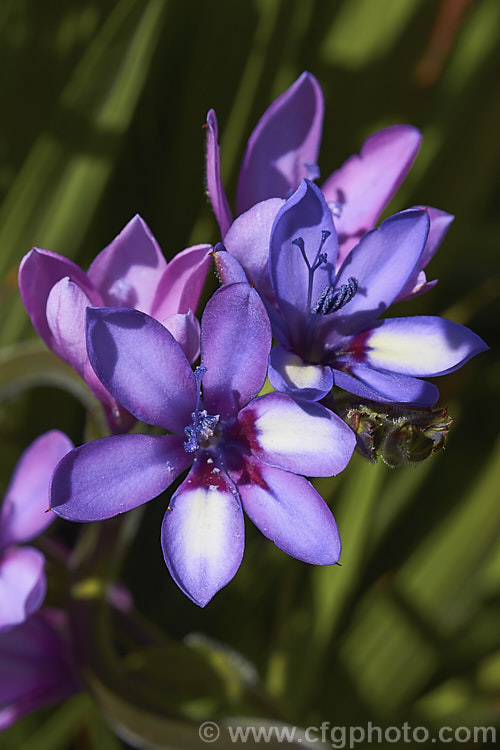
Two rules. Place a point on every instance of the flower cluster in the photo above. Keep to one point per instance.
(301, 265)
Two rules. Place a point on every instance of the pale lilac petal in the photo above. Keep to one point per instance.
(248, 241)
(235, 345)
(228, 269)
(421, 346)
(417, 284)
(182, 282)
(284, 145)
(288, 510)
(66, 317)
(66, 306)
(38, 272)
(381, 264)
(386, 387)
(22, 585)
(365, 183)
(306, 217)
(35, 668)
(115, 474)
(290, 374)
(142, 366)
(128, 270)
(299, 436)
(23, 514)
(185, 329)
(440, 222)
(203, 533)
(215, 188)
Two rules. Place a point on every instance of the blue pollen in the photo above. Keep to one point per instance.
(204, 424)
(200, 431)
(330, 301)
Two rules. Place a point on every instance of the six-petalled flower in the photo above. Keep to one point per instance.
(245, 451)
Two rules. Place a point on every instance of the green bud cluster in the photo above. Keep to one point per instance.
(395, 435)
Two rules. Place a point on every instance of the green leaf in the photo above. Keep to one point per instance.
(30, 364)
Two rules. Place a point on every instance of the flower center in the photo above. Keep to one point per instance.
(203, 425)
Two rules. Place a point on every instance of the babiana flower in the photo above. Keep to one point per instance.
(23, 516)
(130, 272)
(245, 451)
(36, 667)
(326, 321)
(283, 149)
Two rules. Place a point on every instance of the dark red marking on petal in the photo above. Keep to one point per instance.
(357, 347)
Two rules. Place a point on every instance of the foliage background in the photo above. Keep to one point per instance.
(103, 107)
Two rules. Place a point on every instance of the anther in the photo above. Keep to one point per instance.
(331, 300)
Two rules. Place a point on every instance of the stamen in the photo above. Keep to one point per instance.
(330, 301)
(203, 424)
(200, 431)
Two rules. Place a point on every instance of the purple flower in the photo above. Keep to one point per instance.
(35, 666)
(325, 321)
(23, 516)
(283, 149)
(245, 451)
(130, 272)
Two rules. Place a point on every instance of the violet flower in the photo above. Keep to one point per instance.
(35, 666)
(245, 451)
(283, 149)
(23, 516)
(130, 272)
(325, 321)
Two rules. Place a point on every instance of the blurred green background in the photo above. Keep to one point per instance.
(102, 111)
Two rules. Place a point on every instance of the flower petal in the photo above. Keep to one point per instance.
(182, 282)
(440, 222)
(228, 269)
(66, 315)
(381, 263)
(38, 272)
(115, 474)
(248, 241)
(385, 387)
(185, 329)
(128, 270)
(289, 373)
(22, 585)
(23, 514)
(284, 145)
(288, 510)
(365, 183)
(305, 217)
(299, 436)
(235, 345)
(34, 668)
(142, 366)
(66, 306)
(203, 533)
(421, 346)
(215, 188)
